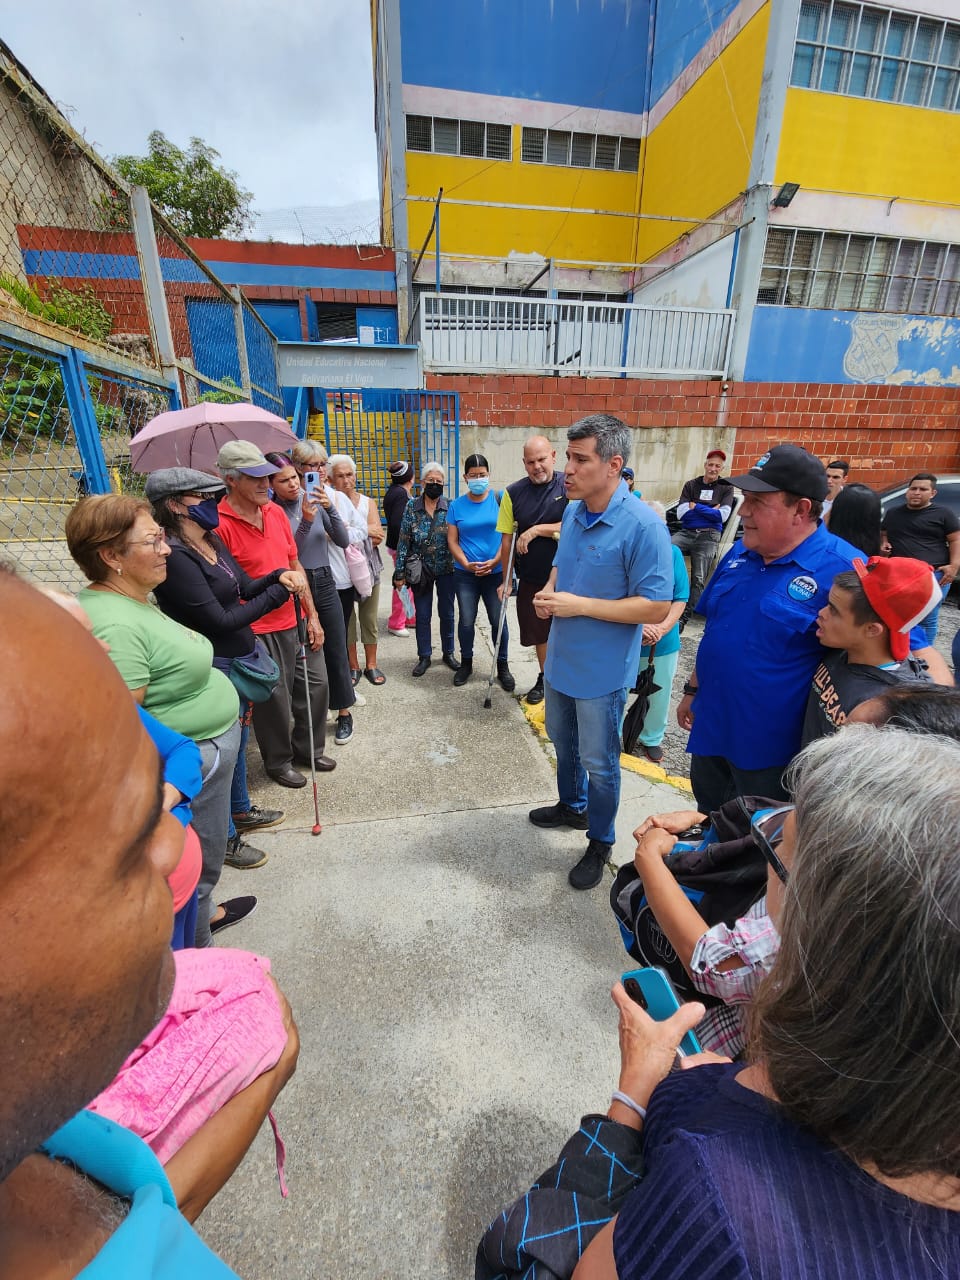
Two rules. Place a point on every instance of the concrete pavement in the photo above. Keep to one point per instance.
(450, 988)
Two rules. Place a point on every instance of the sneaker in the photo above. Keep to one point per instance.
(235, 909)
(256, 818)
(558, 815)
(464, 672)
(588, 872)
(536, 693)
(360, 700)
(344, 731)
(505, 676)
(243, 856)
(652, 753)
(398, 631)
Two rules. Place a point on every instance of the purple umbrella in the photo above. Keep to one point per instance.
(193, 437)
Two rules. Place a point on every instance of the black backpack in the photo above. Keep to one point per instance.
(723, 877)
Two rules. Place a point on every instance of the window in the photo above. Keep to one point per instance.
(579, 150)
(834, 270)
(459, 137)
(868, 52)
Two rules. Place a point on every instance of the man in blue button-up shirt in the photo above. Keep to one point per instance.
(613, 572)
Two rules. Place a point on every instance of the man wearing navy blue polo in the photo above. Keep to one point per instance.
(613, 572)
(744, 702)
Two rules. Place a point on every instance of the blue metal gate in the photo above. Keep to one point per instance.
(376, 427)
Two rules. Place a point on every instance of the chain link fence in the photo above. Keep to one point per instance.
(107, 318)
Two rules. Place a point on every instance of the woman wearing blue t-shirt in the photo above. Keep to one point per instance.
(475, 546)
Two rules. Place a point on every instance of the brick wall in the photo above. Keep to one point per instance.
(887, 432)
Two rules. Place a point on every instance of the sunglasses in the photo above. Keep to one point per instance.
(766, 827)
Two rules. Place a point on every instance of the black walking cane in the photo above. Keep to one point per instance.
(302, 645)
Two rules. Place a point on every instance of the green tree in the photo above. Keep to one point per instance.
(195, 193)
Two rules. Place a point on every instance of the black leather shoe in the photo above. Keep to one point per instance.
(463, 674)
(505, 676)
(450, 661)
(588, 872)
(536, 693)
(288, 777)
(322, 764)
(558, 815)
(421, 668)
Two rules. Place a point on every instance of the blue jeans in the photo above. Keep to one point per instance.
(585, 733)
(423, 604)
(931, 622)
(470, 591)
(239, 795)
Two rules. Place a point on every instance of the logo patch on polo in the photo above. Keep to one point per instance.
(802, 588)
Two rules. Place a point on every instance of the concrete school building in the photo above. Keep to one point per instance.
(795, 161)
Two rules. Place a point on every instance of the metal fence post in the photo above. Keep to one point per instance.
(241, 342)
(141, 214)
(84, 420)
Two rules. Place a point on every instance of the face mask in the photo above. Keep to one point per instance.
(480, 485)
(432, 490)
(205, 513)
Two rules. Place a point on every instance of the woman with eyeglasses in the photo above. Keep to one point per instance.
(168, 667)
(834, 1151)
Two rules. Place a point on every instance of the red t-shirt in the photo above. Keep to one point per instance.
(261, 552)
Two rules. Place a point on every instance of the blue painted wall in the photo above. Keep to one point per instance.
(213, 337)
(587, 52)
(683, 27)
(383, 322)
(797, 344)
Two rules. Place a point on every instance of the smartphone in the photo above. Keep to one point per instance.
(653, 991)
(311, 482)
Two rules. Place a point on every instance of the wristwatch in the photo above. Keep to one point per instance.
(690, 690)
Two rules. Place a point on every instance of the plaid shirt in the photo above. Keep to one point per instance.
(755, 941)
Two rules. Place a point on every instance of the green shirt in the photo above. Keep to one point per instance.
(184, 691)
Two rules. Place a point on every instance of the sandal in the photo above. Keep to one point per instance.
(355, 674)
(375, 675)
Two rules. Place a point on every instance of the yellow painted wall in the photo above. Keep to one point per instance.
(831, 142)
(496, 232)
(698, 157)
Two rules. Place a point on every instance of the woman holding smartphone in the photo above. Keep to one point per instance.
(316, 525)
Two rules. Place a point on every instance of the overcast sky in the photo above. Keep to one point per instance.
(281, 88)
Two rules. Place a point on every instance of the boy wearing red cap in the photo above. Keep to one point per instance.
(866, 622)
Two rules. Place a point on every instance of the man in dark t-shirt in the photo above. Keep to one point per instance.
(925, 530)
(705, 505)
(865, 628)
(535, 505)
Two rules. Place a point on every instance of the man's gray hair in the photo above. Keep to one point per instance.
(229, 475)
(657, 507)
(858, 1023)
(612, 435)
(340, 460)
(432, 465)
(307, 451)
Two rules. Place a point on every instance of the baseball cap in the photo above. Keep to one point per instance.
(786, 468)
(173, 480)
(241, 455)
(901, 592)
(717, 453)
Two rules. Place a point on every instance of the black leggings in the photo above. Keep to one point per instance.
(330, 612)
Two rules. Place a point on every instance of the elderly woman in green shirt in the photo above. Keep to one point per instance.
(168, 668)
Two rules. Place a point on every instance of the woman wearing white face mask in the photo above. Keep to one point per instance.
(475, 546)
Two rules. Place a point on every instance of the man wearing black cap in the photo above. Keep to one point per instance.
(744, 703)
(705, 505)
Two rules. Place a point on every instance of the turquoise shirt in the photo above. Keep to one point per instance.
(625, 552)
(154, 1241)
(476, 525)
(681, 591)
